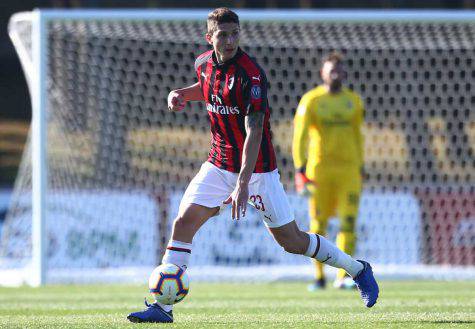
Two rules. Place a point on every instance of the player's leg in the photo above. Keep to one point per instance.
(315, 246)
(190, 218)
(201, 201)
(320, 206)
(348, 201)
(295, 241)
(276, 213)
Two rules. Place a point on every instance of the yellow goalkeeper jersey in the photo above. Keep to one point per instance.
(327, 130)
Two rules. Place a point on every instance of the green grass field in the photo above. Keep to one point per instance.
(274, 305)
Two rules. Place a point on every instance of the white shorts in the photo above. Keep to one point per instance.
(212, 185)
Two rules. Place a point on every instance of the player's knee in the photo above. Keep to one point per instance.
(286, 246)
(348, 224)
(290, 248)
(294, 243)
(182, 224)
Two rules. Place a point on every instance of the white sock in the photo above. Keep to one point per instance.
(177, 253)
(326, 252)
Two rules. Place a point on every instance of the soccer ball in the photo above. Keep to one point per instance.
(168, 284)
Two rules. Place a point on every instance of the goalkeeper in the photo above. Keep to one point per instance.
(328, 159)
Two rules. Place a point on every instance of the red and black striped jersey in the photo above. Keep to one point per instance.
(232, 90)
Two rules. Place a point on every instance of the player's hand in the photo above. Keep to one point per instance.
(303, 185)
(238, 200)
(176, 101)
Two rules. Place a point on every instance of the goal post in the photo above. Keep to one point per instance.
(32, 55)
(106, 163)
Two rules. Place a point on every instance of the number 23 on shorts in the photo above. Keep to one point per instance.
(256, 201)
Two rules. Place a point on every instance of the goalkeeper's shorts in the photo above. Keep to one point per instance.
(212, 185)
(338, 190)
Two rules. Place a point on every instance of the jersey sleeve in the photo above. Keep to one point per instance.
(198, 62)
(255, 93)
(302, 122)
(358, 125)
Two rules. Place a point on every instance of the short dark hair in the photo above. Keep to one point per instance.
(221, 15)
(334, 57)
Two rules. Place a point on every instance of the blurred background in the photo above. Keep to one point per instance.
(15, 111)
(116, 153)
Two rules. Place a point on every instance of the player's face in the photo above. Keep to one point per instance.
(333, 75)
(225, 40)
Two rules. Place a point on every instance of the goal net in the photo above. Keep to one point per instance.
(106, 163)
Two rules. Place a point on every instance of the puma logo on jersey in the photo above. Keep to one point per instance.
(258, 78)
(268, 217)
(203, 75)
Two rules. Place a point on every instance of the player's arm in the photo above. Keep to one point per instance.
(255, 94)
(253, 123)
(177, 98)
(300, 143)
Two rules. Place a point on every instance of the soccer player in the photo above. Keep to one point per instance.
(328, 159)
(241, 165)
